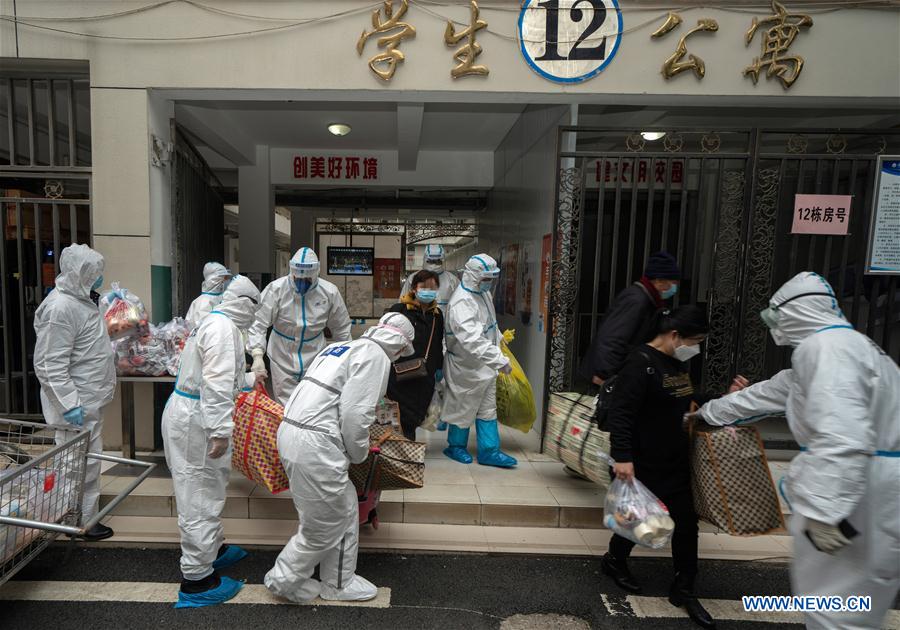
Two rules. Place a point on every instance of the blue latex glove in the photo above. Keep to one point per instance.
(75, 416)
(439, 375)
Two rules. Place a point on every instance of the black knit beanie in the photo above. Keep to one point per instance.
(662, 265)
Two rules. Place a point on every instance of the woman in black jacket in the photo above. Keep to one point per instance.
(653, 392)
(414, 394)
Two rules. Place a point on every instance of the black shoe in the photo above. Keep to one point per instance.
(618, 571)
(682, 596)
(208, 583)
(98, 532)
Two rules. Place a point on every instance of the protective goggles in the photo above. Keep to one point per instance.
(304, 270)
(435, 260)
(771, 316)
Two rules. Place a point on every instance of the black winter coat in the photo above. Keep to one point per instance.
(414, 395)
(627, 324)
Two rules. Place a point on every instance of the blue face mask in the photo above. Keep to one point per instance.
(670, 292)
(302, 285)
(486, 286)
(98, 283)
(426, 296)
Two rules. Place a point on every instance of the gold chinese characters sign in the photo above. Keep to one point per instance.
(783, 28)
(393, 31)
(778, 32)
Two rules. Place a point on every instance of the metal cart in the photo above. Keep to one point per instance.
(42, 471)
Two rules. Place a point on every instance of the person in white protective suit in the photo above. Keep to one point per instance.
(325, 429)
(298, 308)
(196, 427)
(447, 282)
(471, 364)
(74, 363)
(842, 401)
(215, 278)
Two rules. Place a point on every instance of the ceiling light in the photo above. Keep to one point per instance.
(650, 136)
(339, 129)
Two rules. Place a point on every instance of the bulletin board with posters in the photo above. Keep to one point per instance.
(510, 278)
(388, 278)
(884, 232)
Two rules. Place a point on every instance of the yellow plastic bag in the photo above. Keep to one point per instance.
(515, 398)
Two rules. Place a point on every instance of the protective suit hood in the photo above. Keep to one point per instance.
(479, 267)
(395, 334)
(79, 268)
(214, 276)
(434, 258)
(305, 264)
(236, 305)
(804, 316)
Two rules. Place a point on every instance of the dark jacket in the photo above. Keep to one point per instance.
(653, 392)
(628, 323)
(414, 395)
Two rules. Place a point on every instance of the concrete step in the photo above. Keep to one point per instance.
(149, 531)
(535, 494)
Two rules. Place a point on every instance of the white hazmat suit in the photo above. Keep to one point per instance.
(73, 357)
(447, 282)
(842, 401)
(471, 364)
(325, 429)
(298, 321)
(200, 411)
(215, 277)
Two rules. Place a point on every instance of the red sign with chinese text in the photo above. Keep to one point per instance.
(335, 167)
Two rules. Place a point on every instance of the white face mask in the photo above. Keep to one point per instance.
(779, 337)
(686, 353)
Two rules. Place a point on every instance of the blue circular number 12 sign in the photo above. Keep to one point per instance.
(569, 41)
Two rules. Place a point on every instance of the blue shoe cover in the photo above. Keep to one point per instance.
(489, 453)
(456, 444)
(232, 555)
(441, 426)
(459, 454)
(227, 589)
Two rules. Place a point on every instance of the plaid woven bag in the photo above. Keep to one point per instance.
(732, 484)
(400, 464)
(255, 436)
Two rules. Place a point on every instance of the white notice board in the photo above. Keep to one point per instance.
(884, 229)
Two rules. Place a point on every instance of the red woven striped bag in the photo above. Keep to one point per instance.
(255, 437)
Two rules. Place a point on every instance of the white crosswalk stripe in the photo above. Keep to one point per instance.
(151, 592)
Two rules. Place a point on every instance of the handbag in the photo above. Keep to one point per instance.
(415, 368)
(399, 463)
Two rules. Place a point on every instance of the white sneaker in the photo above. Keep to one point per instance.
(359, 589)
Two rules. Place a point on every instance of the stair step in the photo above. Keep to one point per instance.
(267, 533)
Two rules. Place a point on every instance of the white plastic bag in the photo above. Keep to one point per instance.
(635, 513)
(435, 409)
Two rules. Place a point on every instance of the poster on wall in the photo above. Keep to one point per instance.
(510, 278)
(545, 281)
(387, 278)
(884, 231)
(526, 282)
(499, 286)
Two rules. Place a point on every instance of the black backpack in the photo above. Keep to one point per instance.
(605, 397)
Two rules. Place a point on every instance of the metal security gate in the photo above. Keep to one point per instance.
(722, 202)
(45, 182)
(198, 222)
